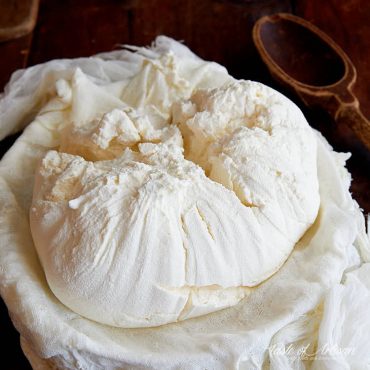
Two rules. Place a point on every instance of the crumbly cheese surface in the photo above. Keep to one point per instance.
(171, 198)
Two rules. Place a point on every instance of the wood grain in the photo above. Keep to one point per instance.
(71, 29)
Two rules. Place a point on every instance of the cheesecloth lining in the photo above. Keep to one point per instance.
(313, 313)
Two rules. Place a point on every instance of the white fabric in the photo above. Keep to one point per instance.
(307, 302)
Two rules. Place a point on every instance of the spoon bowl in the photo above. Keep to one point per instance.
(306, 60)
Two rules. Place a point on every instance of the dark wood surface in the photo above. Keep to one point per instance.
(218, 30)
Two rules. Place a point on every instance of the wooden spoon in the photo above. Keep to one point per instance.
(17, 18)
(307, 61)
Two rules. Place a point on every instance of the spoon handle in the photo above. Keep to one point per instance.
(351, 115)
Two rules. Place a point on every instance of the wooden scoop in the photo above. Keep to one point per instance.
(309, 62)
(17, 18)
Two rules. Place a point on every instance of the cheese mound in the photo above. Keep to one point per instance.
(157, 210)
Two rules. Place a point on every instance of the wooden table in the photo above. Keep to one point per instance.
(218, 30)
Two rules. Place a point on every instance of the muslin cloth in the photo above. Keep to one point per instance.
(313, 313)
